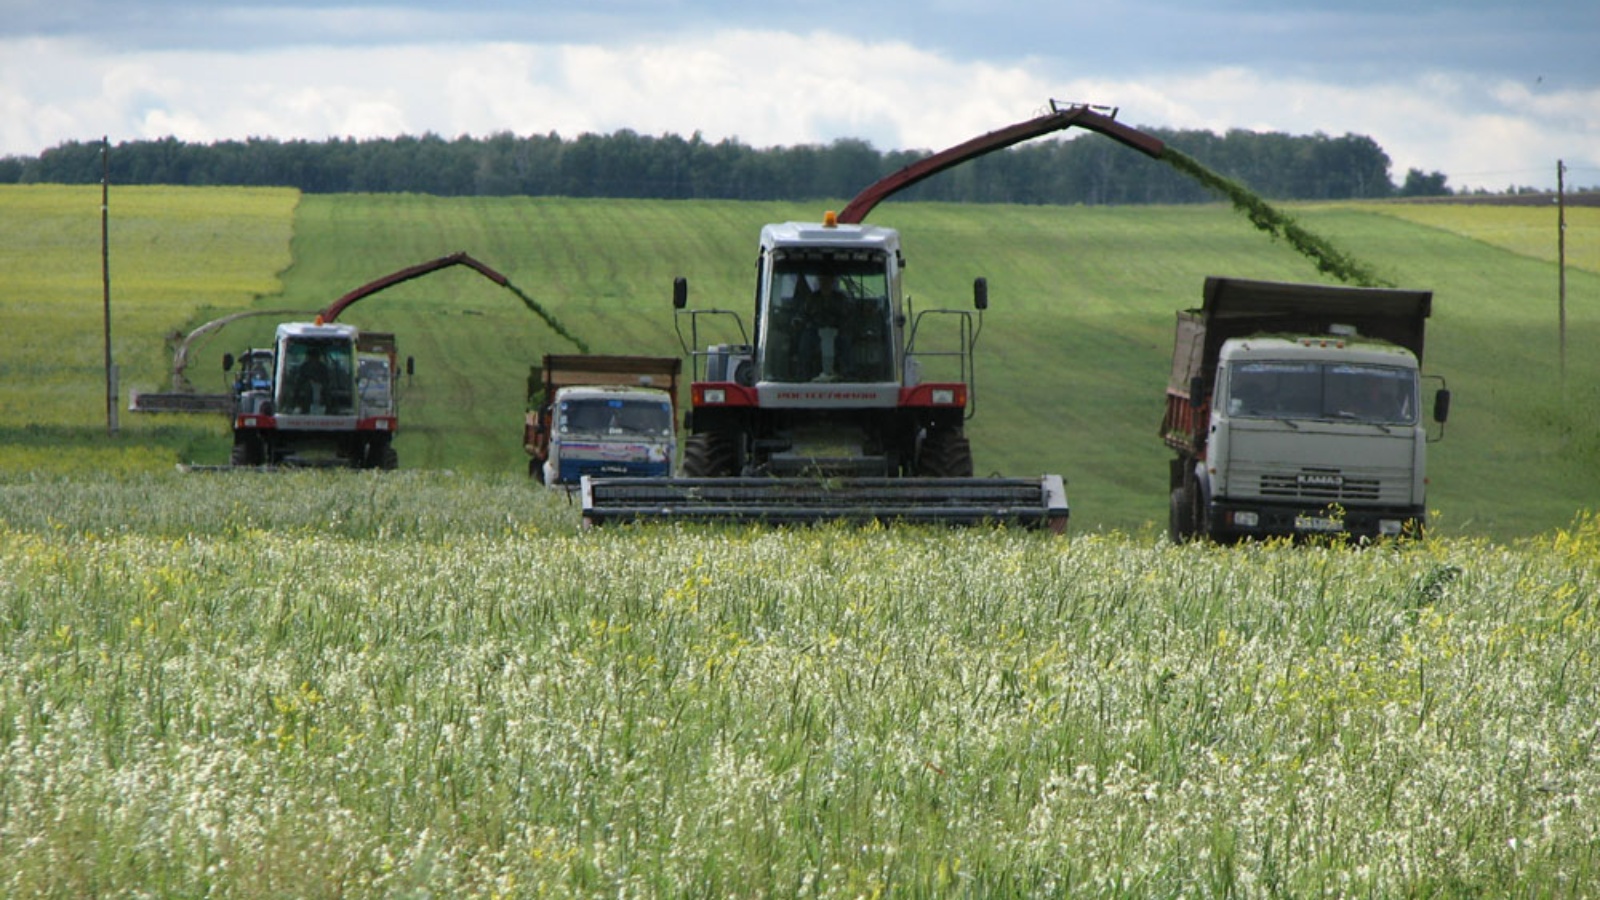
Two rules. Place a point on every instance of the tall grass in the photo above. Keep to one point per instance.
(348, 685)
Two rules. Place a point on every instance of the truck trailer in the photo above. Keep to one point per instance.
(1293, 410)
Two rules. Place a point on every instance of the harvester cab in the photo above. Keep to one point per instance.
(833, 384)
(318, 375)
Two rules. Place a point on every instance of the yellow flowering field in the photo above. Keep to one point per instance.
(174, 258)
(333, 684)
(1532, 231)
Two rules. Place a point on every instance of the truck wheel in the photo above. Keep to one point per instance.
(945, 454)
(1181, 526)
(390, 460)
(710, 455)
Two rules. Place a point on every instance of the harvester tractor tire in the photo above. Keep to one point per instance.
(710, 455)
(247, 451)
(945, 454)
(378, 453)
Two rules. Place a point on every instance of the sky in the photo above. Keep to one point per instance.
(1492, 93)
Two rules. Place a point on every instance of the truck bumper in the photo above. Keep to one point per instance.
(1231, 520)
(573, 471)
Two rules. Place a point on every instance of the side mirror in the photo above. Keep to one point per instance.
(680, 292)
(1441, 405)
(980, 293)
(227, 362)
(1197, 390)
(411, 365)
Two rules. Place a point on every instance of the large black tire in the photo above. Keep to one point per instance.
(247, 451)
(710, 455)
(1181, 524)
(945, 454)
(377, 453)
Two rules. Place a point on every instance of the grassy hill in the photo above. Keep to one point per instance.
(1073, 354)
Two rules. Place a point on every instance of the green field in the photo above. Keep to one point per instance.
(432, 682)
(1073, 354)
(412, 684)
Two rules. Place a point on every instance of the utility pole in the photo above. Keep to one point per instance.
(1561, 265)
(105, 280)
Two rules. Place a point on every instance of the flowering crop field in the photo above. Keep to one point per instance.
(334, 684)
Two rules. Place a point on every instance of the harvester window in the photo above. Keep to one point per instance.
(319, 379)
(829, 321)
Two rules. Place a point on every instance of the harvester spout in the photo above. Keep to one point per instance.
(461, 258)
(1061, 116)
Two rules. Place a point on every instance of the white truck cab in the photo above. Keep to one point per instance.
(603, 430)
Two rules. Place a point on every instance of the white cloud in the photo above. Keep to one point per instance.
(762, 87)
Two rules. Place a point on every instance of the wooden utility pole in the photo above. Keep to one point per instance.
(105, 280)
(1561, 265)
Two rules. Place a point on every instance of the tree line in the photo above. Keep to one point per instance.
(1085, 170)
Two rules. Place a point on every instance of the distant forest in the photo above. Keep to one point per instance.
(1087, 170)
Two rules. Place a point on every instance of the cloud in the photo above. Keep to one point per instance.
(762, 87)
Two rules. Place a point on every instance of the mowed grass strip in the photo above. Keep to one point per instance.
(345, 684)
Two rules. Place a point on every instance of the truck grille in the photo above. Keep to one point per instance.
(1321, 486)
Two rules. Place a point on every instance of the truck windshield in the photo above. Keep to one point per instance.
(828, 320)
(1385, 395)
(616, 416)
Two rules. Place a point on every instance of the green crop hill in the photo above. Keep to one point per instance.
(1073, 354)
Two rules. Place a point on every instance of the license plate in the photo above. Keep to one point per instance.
(1317, 523)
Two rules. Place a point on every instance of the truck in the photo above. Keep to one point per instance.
(322, 395)
(837, 403)
(601, 415)
(1293, 410)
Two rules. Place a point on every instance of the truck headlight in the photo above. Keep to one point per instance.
(716, 395)
(1390, 527)
(944, 396)
(1246, 519)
